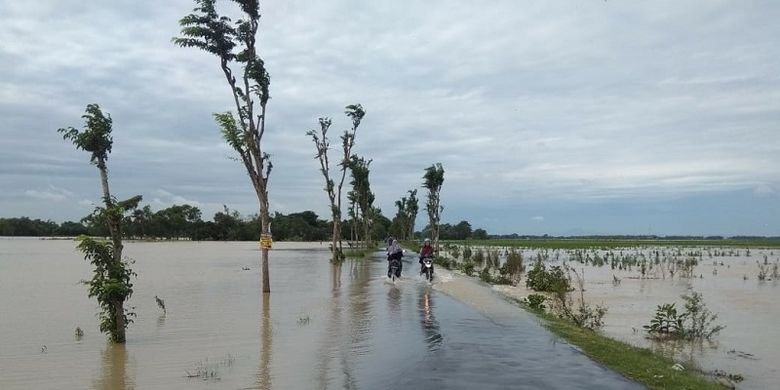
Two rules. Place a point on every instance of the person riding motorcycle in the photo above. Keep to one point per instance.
(426, 252)
(395, 252)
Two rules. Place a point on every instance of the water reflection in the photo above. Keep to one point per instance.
(394, 301)
(114, 370)
(334, 324)
(161, 320)
(264, 377)
(429, 323)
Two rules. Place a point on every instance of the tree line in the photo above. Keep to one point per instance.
(185, 222)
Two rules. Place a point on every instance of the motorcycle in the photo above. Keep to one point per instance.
(394, 269)
(427, 268)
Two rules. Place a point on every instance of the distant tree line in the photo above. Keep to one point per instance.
(185, 222)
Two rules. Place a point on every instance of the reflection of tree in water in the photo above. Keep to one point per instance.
(682, 350)
(114, 375)
(346, 341)
(429, 323)
(394, 301)
(333, 328)
(264, 376)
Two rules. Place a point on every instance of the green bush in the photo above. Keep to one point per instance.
(696, 323)
(467, 268)
(540, 279)
(536, 301)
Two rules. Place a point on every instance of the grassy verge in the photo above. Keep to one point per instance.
(640, 364)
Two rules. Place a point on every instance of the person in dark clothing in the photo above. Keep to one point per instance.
(425, 251)
(395, 252)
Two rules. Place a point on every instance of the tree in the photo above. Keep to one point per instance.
(364, 198)
(412, 208)
(432, 181)
(110, 282)
(322, 144)
(207, 30)
(406, 215)
(479, 234)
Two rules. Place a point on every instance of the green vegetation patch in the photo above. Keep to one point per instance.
(639, 364)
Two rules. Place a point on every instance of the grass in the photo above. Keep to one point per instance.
(582, 243)
(640, 364)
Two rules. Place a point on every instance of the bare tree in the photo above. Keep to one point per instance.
(322, 144)
(234, 43)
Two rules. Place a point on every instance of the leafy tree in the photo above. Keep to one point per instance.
(364, 198)
(322, 144)
(406, 215)
(111, 281)
(479, 234)
(433, 179)
(234, 43)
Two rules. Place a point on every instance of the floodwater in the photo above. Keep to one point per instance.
(750, 343)
(322, 327)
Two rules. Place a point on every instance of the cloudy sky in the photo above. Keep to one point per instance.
(559, 117)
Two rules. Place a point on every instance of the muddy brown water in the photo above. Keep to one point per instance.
(321, 327)
(750, 343)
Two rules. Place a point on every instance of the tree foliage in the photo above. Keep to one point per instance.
(234, 43)
(110, 283)
(433, 179)
(321, 145)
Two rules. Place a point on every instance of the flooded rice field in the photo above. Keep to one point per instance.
(322, 326)
(727, 278)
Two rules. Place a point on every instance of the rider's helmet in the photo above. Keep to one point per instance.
(427, 241)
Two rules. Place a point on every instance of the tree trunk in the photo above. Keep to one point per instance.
(119, 316)
(114, 228)
(266, 229)
(336, 234)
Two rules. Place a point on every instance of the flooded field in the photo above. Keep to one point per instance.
(728, 280)
(321, 327)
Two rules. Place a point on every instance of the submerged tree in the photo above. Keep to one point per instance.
(364, 198)
(322, 144)
(406, 215)
(432, 181)
(412, 208)
(234, 43)
(110, 283)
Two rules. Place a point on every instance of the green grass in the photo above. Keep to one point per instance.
(581, 243)
(640, 364)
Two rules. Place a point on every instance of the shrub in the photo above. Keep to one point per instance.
(696, 323)
(467, 253)
(513, 266)
(536, 301)
(443, 261)
(467, 268)
(554, 280)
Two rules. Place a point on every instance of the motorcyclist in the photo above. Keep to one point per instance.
(425, 252)
(395, 252)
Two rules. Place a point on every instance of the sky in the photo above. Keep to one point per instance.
(549, 117)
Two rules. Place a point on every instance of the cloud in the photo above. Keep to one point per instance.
(535, 103)
(537, 218)
(51, 194)
(764, 189)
